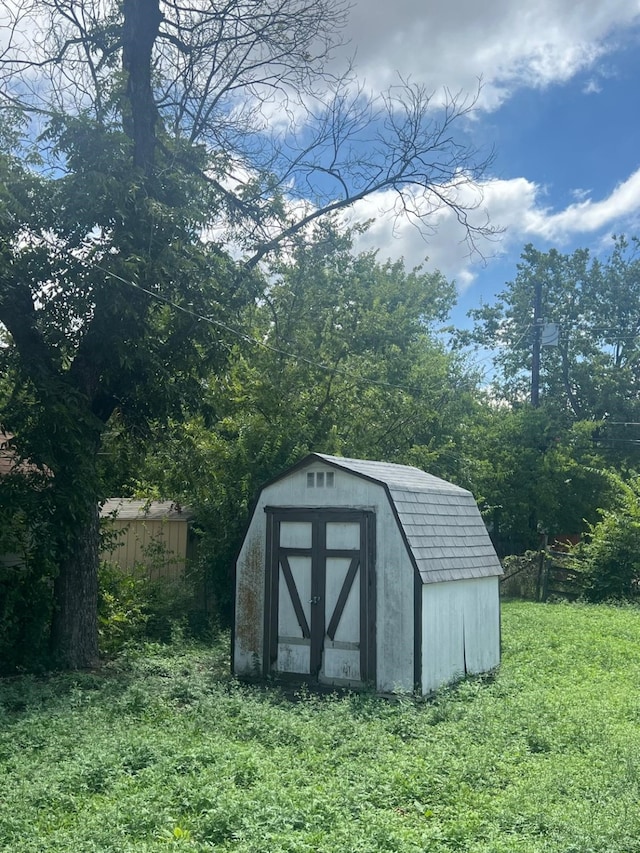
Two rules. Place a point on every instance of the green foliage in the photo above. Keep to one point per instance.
(25, 613)
(123, 606)
(611, 554)
(348, 362)
(134, 608)
(538, 469)
(533, 472)
(27, 569)
(594, 369)
(84, 298)
(167, 750)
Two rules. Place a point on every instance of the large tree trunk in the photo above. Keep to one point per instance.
(76, 532)
(142, 20)
(74, 630)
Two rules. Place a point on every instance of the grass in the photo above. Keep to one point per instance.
(165, 751)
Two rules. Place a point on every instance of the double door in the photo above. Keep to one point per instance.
(320, 594)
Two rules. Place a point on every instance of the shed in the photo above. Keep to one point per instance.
(354, 572)
(155, 534)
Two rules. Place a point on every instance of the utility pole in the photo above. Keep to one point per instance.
(537, 333)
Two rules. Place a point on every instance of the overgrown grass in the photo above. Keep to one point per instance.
(166, 751)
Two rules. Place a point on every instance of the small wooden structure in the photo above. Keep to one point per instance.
(355, 572)
(155, 534)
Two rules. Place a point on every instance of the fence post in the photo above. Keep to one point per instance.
(541, 583)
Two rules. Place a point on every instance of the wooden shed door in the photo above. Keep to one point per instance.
(320, 594)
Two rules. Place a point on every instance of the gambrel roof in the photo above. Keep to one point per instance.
(445, 535)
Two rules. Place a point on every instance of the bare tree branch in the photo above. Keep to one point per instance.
(249, 83)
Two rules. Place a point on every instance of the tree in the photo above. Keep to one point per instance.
(85, 343)
(610, 556)
(156, 136)
(533, 474)
(541, 465)
(343, 358)
(249, 84)
(595, 369)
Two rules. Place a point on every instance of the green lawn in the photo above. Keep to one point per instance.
(166, 751)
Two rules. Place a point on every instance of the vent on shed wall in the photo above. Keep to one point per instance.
(320, 480)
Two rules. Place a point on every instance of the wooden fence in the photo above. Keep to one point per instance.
(541, 575)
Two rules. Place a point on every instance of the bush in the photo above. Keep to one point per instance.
(611, 555)
(26, 587)
(132, 608)
(25, 613)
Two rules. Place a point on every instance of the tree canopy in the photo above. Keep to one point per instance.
(546, 467)
(155, 153)
(594, 371)
(247, 96)
(341, 356)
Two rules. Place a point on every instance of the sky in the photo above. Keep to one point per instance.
(560, 106)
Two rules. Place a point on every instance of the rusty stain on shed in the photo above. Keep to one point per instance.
(250, 597)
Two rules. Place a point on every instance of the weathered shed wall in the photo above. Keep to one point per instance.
(460, 630)
(394, 572)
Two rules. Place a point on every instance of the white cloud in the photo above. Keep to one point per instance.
(510, 46)
(593, 87)
(587, 216)
(518, 206)
(507, 44)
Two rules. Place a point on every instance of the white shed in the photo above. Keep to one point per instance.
(355, 572)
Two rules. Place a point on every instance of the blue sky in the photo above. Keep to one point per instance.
(560, 105)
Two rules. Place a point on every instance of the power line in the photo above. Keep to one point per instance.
(236, 332)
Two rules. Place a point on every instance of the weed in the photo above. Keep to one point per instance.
(164, 749)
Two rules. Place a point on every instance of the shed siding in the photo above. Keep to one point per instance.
(394, 572)
(395, 604)
(137, 542)
(482, 626)
(460, 630)
(250, 602)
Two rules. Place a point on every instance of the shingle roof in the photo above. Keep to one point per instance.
(442, 525)
(128, 509)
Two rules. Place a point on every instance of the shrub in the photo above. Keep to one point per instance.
(611, 555)
(26, 583)
(133, 608)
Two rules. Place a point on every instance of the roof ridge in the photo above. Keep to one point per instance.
(423, 481)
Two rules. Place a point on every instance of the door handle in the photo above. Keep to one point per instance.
(315, 600)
